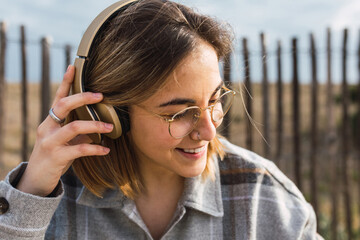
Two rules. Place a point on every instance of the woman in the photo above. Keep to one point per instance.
(156, 63)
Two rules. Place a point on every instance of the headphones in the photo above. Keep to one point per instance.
(99, 112)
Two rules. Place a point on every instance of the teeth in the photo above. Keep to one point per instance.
(194, 150)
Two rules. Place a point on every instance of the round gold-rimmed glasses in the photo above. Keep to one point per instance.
(184, 121)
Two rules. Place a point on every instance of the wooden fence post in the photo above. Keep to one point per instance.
(24, 96)
(67, 56)
(331, 142)
(358, 112)
(296, 116)
(345, 139)
(248, 101)
(45, 78)
(227, 80)
(3, 40)
(279, 108)
(314, 127)
(265, 97)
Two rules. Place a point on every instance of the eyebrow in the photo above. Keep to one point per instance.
(182, 101)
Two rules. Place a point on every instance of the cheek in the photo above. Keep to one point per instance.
(151, 134)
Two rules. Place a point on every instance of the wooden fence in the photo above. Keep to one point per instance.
(340, 152)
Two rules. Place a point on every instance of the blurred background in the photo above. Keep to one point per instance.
(65, 21)
(296, 63)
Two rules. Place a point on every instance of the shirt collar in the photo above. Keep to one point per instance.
(201, 195)
(204, 195)
(111, 199)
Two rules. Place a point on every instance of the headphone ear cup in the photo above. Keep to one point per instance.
(84, 112)
(107, 113)
(96, 112)
(123, 115)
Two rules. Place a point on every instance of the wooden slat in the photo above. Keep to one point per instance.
(247, 92)
(227, 79)
(3, 39)
(24, 97)
(314, 128)
(279, 105)
(45, 78)
(296, 116)
(265, 98)
(345, 140)
(331, 143)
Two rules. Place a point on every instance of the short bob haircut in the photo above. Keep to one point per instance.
(132, 58)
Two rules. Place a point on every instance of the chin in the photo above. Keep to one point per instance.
(195, 170)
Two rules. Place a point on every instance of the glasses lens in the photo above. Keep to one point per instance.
(222, 106)
(184, 122)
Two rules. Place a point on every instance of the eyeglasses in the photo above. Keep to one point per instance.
(184, 121)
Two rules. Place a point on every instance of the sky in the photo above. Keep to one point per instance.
(64, 22)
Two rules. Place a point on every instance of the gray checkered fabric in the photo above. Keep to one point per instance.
(249, 199)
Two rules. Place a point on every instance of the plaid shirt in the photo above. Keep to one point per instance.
(249, 199)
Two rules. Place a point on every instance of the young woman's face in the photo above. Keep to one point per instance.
(193, 83)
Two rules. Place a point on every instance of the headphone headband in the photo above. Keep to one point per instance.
(96, 24)
(99, 111)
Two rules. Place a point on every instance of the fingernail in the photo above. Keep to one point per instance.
(68, 68)
(108, 126)
(97, 95)
(106, 150)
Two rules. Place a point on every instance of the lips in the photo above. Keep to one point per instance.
(192, 150)
(193, 153)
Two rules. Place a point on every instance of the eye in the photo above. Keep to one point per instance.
(215, 97)
(180, 115)
(190, 114)
(212, 101)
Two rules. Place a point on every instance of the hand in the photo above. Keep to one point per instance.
(57, 146)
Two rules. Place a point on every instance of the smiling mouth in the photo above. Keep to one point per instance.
(192, 150)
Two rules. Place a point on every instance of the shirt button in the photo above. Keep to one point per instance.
(4, 205)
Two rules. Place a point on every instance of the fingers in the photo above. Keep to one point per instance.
(70, 131)
(85, 149)
(63, 103)
(66, 104)
(65, 85)
(57, 146)
(80, 139)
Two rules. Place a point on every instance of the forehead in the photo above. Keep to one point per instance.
(196, 77)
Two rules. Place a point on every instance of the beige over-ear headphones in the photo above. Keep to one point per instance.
(98, 112)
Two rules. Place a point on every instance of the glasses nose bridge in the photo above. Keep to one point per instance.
(206, 108)
(210, 107)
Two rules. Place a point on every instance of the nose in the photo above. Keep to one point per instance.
(205, 127)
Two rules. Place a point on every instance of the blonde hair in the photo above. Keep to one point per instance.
(133, 56)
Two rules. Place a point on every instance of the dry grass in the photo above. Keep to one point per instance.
(13, 130)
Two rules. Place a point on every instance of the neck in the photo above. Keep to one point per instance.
(157, 204)
(161, 183)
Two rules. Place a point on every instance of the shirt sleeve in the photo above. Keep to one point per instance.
(23, 215)
(310, 229)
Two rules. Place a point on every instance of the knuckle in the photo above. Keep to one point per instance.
(89, 95)
(99, 150)
(83, 149)
(67, 79)
(62, 103)
(99, 125)
(90, 150)
(86, 96)
(75, 126)
(45, 145)
(40, 131)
